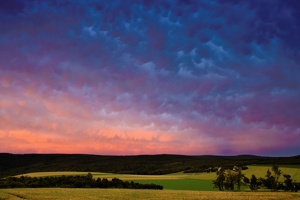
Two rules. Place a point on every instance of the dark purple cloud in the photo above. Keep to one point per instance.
(201, 77)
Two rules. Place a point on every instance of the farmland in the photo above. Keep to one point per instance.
(176, 183)
(176, 186)
(124, 194)
(181, 181)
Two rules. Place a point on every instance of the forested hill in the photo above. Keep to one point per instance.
(13, 164)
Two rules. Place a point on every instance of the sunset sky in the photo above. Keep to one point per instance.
(131, 77)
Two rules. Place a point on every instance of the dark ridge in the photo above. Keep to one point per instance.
(14, 164)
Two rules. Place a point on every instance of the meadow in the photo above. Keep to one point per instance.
(182, 181)
(188, 186)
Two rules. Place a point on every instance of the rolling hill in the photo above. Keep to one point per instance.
(13, 164)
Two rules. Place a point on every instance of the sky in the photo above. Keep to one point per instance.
(131, 77)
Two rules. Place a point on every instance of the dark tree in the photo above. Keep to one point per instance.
(268, 182)
(277, 173)
(219, 182)
(230, 180)
(288, 183)
(253, 182)
(238, 177)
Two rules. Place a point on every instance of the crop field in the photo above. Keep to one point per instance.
(187, 186)
(181, 181)
(125, 194)
(176, 181)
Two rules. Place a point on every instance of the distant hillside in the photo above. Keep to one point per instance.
(13, 164)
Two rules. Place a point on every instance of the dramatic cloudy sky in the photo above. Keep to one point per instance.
(150, 77)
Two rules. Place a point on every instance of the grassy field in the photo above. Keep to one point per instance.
(176, 186)
(176, 181)
(123, 194)
(181, 181)
(260, 171)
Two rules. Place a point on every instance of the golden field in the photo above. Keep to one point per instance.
(125, 194)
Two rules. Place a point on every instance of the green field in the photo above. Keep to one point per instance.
(176, 181)
(181, 181)
(182, 184)
(176, 186)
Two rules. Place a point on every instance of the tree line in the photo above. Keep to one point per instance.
(72, 182)
(14, 164)
(227, 179)
(208, 169)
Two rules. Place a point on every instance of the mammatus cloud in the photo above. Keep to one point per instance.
(140, 77)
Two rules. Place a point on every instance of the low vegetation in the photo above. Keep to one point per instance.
(228, 179)
(186, 181)
(72, 182)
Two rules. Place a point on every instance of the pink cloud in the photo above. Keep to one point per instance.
(150, 79)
